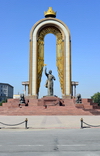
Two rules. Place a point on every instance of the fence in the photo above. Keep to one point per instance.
(82, 122)
(26, 121)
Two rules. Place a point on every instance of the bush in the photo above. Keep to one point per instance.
(96, 98)
(3, 101)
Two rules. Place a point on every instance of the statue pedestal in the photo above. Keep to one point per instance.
(48, 100)
(66, 97)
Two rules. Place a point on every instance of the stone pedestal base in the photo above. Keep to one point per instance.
(48, 100)
(50, 105)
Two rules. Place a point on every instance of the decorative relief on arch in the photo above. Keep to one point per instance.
(59, 54)
(60, 63)
(40, 61)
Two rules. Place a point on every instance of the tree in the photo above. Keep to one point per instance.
(96, 98)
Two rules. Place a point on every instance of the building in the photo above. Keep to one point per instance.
(16, 96)
(6, 91)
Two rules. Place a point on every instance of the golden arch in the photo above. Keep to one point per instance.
(63, 59)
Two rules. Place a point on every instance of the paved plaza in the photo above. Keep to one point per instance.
(49, 122)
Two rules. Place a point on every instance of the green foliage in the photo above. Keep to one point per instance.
(3, 101)
(96, 98)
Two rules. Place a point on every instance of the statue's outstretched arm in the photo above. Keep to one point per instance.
(46, 71)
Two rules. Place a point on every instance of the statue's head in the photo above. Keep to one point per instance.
(21, 95)
(50, 71)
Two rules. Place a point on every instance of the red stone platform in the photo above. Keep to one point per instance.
(37, 107)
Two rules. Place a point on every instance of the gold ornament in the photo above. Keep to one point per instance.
(50, 13)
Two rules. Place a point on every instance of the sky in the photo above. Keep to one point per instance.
(82, 17)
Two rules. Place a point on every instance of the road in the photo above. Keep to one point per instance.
(50, 142)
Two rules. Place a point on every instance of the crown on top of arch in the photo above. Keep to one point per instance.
(50, 12)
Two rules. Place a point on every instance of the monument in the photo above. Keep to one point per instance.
(50, 24)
